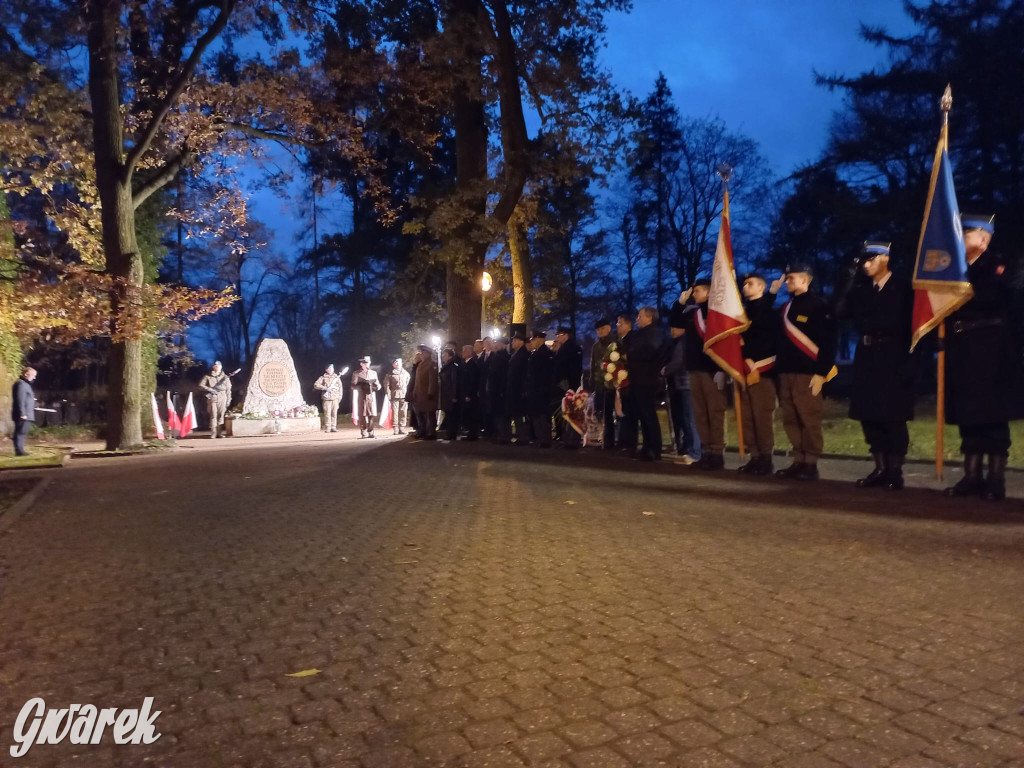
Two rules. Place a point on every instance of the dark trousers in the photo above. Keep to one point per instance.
(647, 413)
(608, 414)
(20, 431)
(887, 436)
(759, 417)
(684, 428)
(993, 439)
(541, 425)
(501, 428)
(451, 422)
(426, 423)
(627, 424)
(470, 418)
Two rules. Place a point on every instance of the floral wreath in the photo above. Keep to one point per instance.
(614, 365)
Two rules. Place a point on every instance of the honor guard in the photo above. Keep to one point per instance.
(329, 386)
(879, 305)
(540, 381)
(365, 385)
(759, 396)
(984, 383)
(709, 402)
(217, 386)
(804, 360)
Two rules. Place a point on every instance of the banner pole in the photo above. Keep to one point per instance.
(739, 416)
(940, 402)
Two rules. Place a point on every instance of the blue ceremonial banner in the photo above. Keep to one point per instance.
(941, 284)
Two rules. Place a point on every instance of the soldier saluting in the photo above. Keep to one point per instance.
(984, 382)
(880, 304)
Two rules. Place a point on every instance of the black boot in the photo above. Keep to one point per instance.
(995, 484)
(894, 477)
(878, 475)
(791, 472)
(971, 484)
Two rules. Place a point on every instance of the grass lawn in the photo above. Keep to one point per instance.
(38, 456)
(844, 436)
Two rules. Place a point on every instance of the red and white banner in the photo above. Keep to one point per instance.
(727, 318)
(173, 422)
(188, 420)
(158, 423)
(385, 413)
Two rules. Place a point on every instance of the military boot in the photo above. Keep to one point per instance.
(791, 472)
(878, 475)
(971, 484)
(894, 476)
(995, 484)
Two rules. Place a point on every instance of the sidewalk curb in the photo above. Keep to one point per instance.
(22, 505)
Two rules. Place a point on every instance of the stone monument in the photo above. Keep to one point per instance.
(272, 396)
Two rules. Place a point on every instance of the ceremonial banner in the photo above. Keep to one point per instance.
(940, 272)
(727, 318)
(188, 420)
(157, 421)
(173, 422)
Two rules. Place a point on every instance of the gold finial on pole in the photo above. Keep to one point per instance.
(946, 103)
(724, 172)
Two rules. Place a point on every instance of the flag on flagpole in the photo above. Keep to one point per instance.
(157, 421)
(727, 318)
(941, 285)
(385, 413)
(173, 422)
(188, 420)
(355, 406)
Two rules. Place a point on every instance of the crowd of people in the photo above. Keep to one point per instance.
(510, 390)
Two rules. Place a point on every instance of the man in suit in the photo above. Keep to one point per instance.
(645, 381)
(515, 390)
(497, 382)
(23, 408)
(540, 372)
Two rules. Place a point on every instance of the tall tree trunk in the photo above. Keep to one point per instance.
(465, 267)
(522, 274)
(123, 261)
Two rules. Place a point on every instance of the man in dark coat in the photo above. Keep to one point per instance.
(984, 381)
(805, 360)
(684, 428)
(879, 304)
(23, 408)
(759, 397)
(568, 372)
(645, 381)
(540, 378)
(497, 381)
(469, 389)
(706, 385)
(628, 432)
(604, 397)
(515, 391)
(449, 393)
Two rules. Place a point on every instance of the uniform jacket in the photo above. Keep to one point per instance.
(883, 370)
(23, 401)
(330, 385)
(396, 383)
(515, 391)
(540, 383)
(984, 381)
(366, 382)
(424, 393)
(497, 380)
(449, 386)
(470, 380)
(811, 317)
(568, 365)
(696, 360)
(217, 386)
(761, 338)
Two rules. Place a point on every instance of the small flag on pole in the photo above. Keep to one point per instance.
(941, 285)
(188, 420)
(385, 413)
(727, 318)
(157, 421)
(173, 422)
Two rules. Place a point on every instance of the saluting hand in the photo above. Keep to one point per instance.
(685, 295)
(777, 284)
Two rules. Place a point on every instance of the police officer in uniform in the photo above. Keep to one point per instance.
(760, 395)
(805, 360)
(540, 381)
(984, 382)
(880, 304)
(515, 390)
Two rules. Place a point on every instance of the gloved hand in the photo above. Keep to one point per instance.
(720, 379)
(816, 384)
(685, 295)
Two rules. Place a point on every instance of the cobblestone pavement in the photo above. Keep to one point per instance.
(470, 606)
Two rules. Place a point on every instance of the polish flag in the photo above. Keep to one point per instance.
(157, 421)
(188, 420)
(173, 422)
(385, 413)
(727, 318)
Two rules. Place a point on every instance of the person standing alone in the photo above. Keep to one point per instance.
(23, 409)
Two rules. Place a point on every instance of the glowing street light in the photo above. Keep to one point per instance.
(485, 282)
(435, 341)
(495, 331)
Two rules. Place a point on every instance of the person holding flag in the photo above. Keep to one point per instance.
(879, 304)
(760, 396)
(983, 377)
(804, 361)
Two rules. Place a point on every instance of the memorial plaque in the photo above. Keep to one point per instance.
(273, 378)
(273, 385)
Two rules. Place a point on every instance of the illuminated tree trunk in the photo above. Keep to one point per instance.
(522, 275)
(123, 261)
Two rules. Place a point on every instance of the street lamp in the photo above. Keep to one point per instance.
(495, 331)
(485, 286)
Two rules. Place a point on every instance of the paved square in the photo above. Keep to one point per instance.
(475, 606)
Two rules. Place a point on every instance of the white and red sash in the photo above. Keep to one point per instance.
(702, 328)
(761, 366)
(800, 339)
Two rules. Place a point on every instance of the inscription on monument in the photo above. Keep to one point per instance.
(273, 379)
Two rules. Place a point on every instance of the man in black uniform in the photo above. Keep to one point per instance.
(497, 381)
(984, 382)
(604, 398)
(760, 394)
(805, 360)
(540, 373)
(880, 304)
(644, 368)
(568, 373)
(469, 386)
(515, 389)
(709, 403)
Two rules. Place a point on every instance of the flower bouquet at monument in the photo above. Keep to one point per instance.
(615, 367)
(578, 411)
